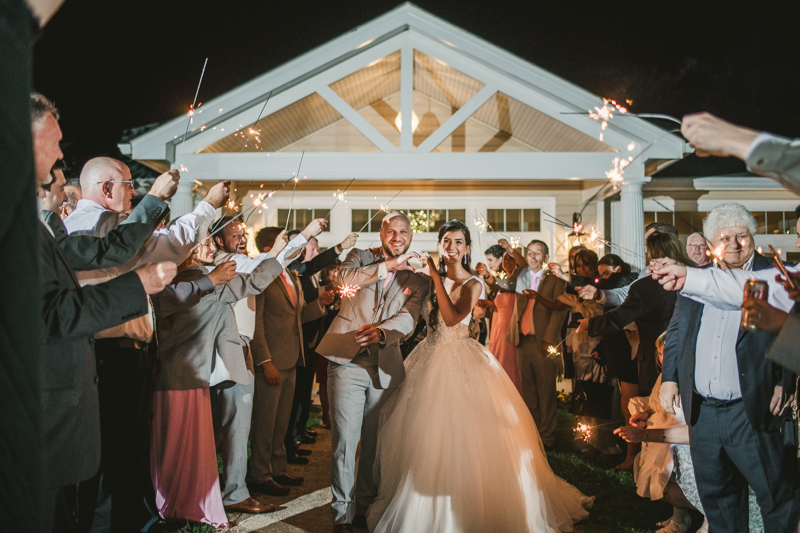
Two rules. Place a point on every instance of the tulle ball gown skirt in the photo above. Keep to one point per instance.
(459, 452)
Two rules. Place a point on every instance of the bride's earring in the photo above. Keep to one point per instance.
(464, 261)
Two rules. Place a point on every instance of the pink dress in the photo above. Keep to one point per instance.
(183, 457)
(504, 351)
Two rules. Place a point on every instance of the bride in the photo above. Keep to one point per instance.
(458, 450)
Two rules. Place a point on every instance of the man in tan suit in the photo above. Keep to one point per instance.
(363, 346)
(277, 348)
(533, 329)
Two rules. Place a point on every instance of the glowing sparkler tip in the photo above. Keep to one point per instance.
(183, 168)
(348, 291)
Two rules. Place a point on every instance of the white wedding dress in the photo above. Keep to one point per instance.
(458, 450)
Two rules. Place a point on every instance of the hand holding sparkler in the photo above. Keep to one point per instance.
(218, 194)
(223, 273)
(790, 285)
(710, 135)
(326, 298)
(314, 228)
(166, 185)
(583, 325)
(671, 276)
(367, 335)
(280, 243)
(348, 242)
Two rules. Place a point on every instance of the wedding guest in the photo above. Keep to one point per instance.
(503, 304)
(199, 347)
(533, 329)
(766, 154)
(729, 392)
(647, 304)
(72, 189)
(122, 358)
(697, 249)
(665, 450)
(494, 257)
(232, 406)
(616, 297)
(611, 264)
(307, 269)
(277, 350)
(71, 420)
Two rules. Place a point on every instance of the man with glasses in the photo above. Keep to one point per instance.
(123, 363)
(697, 249)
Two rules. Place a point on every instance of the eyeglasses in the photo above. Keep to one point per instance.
(697, 246)
(129, 182)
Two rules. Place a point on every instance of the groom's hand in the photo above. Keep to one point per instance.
(401, 262)
(367, 335)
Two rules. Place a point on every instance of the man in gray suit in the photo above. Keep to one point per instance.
(766, 154)
(363, 346)
(534, 328)
(277, 348)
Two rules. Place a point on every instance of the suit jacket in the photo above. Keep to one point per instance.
(757, 375)
(306, 272)
(395, 309)
(546, 323)
(651, 307)
(87, 252)
(71, 314)
(784, 350)
(777, 158)
(279, 325)
(190, 339)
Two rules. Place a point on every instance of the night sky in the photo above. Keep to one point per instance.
(110, 65)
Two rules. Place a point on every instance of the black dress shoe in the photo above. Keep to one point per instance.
(343, 528)
(272, 488)
(289, 481)
(297, 460)
(301, 451)
(311, 433)
(305, 439)
(360, 521)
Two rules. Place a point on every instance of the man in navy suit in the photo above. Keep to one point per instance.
(731, 396)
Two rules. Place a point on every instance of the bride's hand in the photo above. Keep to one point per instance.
(430, 264)
(424, 270)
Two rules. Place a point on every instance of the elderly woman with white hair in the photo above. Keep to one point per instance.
(731, 394)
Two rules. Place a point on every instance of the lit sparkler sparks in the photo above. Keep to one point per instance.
(616, 174)
(552, 351)
(230, 204)
(584, 431)
(605, 113)
(340, 197)
(348, 291)
(182, 168)
(514, 242)
(481, 224)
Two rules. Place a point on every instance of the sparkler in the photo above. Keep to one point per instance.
(584, 431)
(596, 236)
(296, 179)
(384, 208)
(346, 292)
(514, 242)
(339, 195)
(191, 112)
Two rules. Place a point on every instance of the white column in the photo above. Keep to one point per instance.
(182, 202)
(632, 224)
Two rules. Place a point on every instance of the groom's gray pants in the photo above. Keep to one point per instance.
(355, 405)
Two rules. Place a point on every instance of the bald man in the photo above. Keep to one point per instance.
(122, 358)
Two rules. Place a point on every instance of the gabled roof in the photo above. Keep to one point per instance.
(471, 105)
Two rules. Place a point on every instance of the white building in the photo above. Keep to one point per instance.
(491, 136)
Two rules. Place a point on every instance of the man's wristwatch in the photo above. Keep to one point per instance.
(381, 337)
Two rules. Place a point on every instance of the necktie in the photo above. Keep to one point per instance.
(527, 317)
(388, 279)
(287, 282)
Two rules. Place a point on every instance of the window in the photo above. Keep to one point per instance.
(430, 220)
(514, 219)
(687, 222)
(300, 218)
(366, 220)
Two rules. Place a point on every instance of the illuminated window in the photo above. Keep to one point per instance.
(300, 218)
(514, 219)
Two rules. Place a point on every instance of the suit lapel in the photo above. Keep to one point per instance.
(395, 286)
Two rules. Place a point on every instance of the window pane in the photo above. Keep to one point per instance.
(359, 218)
(774, 222)
(649, 218)
(436, 217)
(761, 221)
(418, 219)
(683, 221)
(320, 213)
(302, 218)
(282, 214)
(792, 257)
(789, 224)
(495, 219)
(513, 219)
(531, 220)
(458, 214)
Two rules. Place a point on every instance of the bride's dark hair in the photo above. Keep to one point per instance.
(447, 227)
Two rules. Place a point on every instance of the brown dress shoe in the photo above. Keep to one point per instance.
(343, 528)
(272, 488)
(287, 480)
(251, 506)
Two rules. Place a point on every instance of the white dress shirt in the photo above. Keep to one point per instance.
(716, 369)
(170, 244)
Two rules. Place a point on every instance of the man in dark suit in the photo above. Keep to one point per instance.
(70, 315)
(731, 396)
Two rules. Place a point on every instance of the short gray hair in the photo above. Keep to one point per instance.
(727, 216)
(41, 106)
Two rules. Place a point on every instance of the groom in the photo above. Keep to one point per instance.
(363, 347)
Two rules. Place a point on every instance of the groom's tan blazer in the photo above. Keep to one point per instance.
(395, 309)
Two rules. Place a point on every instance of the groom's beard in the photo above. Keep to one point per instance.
(388, 253)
